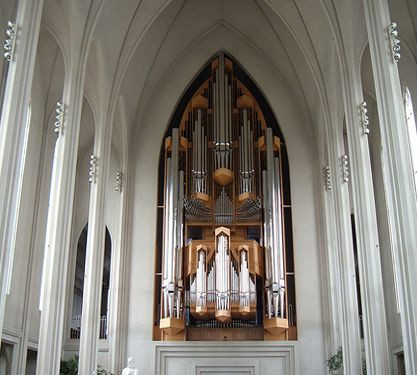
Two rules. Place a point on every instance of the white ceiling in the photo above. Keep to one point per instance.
(137, 44)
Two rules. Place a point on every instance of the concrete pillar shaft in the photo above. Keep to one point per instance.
(95, 253)
(344, 260)
(57, 245)
(12, 134)
(397, 172)
(367, 240)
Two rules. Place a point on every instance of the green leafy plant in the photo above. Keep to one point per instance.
(70, 367)
(364, 367)
(335, 362)
(102, 371)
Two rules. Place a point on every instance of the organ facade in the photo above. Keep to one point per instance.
(225, 246)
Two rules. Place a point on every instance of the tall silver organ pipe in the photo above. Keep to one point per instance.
(179, 243)
(173, 233)
(267, 243)
(235, 282)
(246, 154)
(273, 232)
(222, 103)
(211, 287)
(199, 170)
(201, 277)
(222, 271)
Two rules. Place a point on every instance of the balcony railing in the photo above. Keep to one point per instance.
(75, 330)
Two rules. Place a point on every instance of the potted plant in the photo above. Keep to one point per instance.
(70, 367)
(335, 363)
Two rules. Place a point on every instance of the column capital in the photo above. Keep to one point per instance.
(10, 42)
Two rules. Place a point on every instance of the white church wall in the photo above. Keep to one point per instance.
(302, 161)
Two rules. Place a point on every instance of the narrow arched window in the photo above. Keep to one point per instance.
(78, 293)
(19, 187)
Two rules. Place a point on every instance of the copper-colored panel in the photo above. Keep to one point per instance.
(224, 334)
(223, 176)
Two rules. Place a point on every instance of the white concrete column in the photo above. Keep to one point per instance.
(57, 246)
(344, 259)
(119, 259)
(369, 257)
(12, 133)
(331, 275)
(93, 276)
(397, 172)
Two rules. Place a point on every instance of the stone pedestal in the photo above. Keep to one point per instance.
(238, 358)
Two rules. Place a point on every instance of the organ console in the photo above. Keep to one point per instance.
(223, 242)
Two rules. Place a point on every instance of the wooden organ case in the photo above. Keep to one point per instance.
(224, 259)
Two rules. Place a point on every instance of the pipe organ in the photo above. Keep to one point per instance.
(224, 273)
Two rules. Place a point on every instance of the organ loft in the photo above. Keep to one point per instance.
(225, 268)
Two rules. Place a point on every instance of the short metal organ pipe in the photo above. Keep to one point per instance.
(201, 279)
(199, 162)
(246, 153)
(244, 278)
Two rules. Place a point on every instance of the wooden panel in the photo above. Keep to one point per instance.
(224, 334)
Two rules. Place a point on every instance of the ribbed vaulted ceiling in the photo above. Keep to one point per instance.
(137, 44)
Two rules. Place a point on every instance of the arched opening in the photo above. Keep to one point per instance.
(77, 302)
(224, 260)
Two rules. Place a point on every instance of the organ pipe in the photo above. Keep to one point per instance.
(199, 156)
(222, 116)
(244, 278)
(246, 154)
(222, 273)
(273, 204)
(201, 281)
(173, 236)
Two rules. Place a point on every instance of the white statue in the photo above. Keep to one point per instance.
(130, 370)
